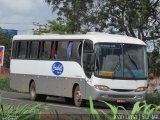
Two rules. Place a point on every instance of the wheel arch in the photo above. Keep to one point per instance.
(74, 86)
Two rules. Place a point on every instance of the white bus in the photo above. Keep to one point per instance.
(107, 67)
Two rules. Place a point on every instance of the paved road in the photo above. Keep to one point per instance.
(57, 104)
(54, 104)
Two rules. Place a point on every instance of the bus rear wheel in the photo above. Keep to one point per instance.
(78, 101)
(34, 96)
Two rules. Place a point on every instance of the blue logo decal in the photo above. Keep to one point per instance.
(57, 68)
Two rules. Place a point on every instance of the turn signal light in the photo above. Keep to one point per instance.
(141, 89)
(101, 87)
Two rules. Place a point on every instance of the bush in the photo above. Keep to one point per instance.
(5, 84)
(153, 98)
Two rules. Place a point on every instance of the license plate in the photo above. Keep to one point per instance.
(121, 101)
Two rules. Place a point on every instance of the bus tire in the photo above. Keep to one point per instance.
(78, 101)
(34, 96)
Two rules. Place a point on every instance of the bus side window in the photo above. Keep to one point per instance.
(61, 50)
(28, 49)
(69, 50)
(22, 50)
(87, 54)
(77, 49)
(14, 49)
(56, 50)
(45, 50)
(18, 44)
(52, 55)
(34, 49)
(88, 46)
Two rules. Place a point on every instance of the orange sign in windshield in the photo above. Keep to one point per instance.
(106, 73)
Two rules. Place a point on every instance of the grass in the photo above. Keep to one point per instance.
(4, 84)
(20, 112)
(140, 111)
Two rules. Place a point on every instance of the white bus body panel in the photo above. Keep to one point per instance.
(43, 68)
(119, 84)
(23, 71)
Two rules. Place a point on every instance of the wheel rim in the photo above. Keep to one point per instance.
(32, 92)
(77, 96)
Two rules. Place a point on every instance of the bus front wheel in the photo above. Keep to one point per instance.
(78, 101)
(34, 95)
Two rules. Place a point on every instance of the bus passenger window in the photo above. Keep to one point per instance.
(69, 49)
(61, 50)
(14, 49)
(52, 55)
(28, 49)
(77, 48)
(45, 50)
(56, 50)
(87, 57)
(22, 50)
(34, 49)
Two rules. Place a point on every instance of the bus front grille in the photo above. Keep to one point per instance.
(121, 96)
(122, 90)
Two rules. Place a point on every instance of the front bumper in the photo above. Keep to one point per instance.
(118, 96)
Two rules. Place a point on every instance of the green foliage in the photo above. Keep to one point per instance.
(137, 18)
(154, 66)
(58, 28)
(6, 41)
(140, 111)
(20, 112)
(153, 98)
(5, 84)
(93, 113)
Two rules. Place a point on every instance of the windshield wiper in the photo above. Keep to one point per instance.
(134, 63)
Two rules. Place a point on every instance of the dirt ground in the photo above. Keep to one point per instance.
(4, 72)
(153, 83)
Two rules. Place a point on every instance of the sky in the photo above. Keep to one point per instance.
(20, 14)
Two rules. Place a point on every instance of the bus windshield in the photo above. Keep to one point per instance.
(123, 61)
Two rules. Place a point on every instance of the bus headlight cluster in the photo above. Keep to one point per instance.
(141, 89)
(101, 87)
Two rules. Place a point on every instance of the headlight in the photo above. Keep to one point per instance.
(140, 89)
(101, 87)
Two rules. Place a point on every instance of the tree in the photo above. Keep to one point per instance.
(5, 40)
(57, 27)
(136, 18)
(71, 12)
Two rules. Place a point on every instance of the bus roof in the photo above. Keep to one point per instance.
(94, 36)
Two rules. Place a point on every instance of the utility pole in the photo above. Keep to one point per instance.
(40, 28)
